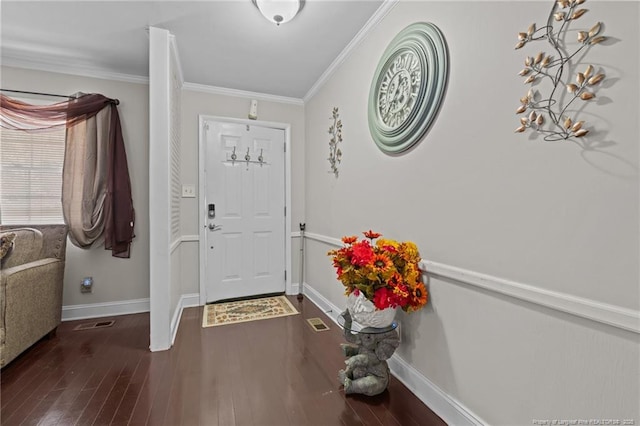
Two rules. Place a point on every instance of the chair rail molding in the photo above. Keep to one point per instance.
(615, 316)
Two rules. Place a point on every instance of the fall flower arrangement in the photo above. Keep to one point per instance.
(385, 272)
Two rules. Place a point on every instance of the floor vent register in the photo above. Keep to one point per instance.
(317, 324)
(93, 325)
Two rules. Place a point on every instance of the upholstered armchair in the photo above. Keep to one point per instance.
(32, 274)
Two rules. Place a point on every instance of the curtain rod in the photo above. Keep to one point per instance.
(116, 101)
(36, 93)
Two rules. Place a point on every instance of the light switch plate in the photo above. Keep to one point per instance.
(188, 191)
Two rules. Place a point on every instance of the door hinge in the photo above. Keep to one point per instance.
(285, 211)
(285, 275)
(285, 147)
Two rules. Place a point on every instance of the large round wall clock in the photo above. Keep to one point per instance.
(408, 87)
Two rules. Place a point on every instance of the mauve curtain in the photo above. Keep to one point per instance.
(84, 193)
(96, 189)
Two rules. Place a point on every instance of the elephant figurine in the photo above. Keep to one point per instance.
(368, 350)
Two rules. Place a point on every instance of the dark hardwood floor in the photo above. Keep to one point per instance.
(269, 372)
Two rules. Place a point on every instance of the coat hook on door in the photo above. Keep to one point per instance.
(247, 158)
(234, 156)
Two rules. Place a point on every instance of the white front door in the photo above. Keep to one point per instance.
(244, 209)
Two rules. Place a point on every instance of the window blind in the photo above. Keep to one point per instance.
(31, 176)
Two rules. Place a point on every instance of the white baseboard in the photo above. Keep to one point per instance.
(331, 310)
(445, 406)
(124, 307)
(107, 309)
(186, 301)
(295, 288)
(190, 300)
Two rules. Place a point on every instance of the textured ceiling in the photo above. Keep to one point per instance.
(224, 44)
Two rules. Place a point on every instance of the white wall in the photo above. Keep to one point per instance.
(476, 196)
(114, 279)
(118, 280)
(195, 103)
(165, 81)
(472, 195)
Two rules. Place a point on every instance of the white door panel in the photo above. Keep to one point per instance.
(245, 250)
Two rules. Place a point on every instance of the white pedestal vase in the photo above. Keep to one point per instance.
(364, 312)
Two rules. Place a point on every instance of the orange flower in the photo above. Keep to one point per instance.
(400, 290)
(370, 234)
(349, 240)
(419, 297)
(382, 263)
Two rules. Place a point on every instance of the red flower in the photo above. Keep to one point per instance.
(390, 249)
(387, 272)
(381, 298)
(370, 234)
(362, 254)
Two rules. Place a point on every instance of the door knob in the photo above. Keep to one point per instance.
(213, 227)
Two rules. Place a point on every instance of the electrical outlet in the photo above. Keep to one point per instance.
(188, 191)
(86, 286)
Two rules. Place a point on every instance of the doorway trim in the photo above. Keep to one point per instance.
(202, 119)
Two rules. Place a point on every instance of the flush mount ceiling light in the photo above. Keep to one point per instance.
(279, 11)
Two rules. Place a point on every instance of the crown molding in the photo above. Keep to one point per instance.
(40, 64)
(215, 90)
(35, 62)
(375, 19)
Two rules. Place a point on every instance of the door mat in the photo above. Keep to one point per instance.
(317, 324)
(246, 310)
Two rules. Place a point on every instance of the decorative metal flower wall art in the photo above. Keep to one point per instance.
(550, 114)
(335, 130)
